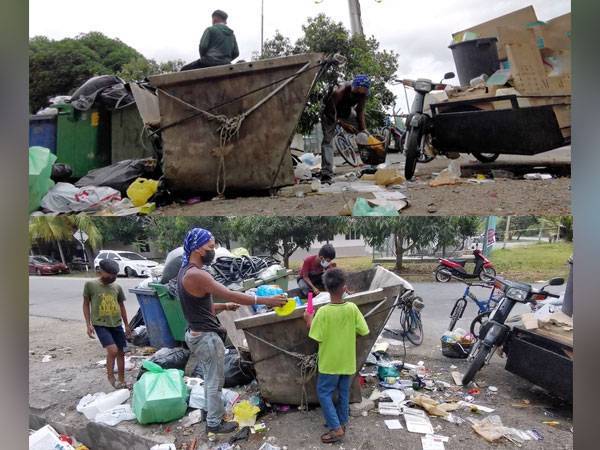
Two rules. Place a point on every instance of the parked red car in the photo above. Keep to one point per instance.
(43, 265)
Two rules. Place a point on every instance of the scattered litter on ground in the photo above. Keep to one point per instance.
(393, 425)
(538, 176)
(47, 358)
(449, 176)
(417, 421)
(46, 438)
(430, 442)
(93, 404)
(457, 377)
(192, 418)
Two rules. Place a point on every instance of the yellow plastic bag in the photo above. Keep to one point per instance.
(245, 413)
(142, 190)
(376, 145)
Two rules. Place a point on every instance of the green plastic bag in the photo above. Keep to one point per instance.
(160, 396)
(41, 161)
(362, 208)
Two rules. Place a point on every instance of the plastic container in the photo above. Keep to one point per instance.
(156, 322)
(142, 190)
(173, 311)
(474, 58)
(245, 413)
(42, 132)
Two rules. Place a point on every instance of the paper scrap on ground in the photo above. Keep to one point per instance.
(432, 443)
(393, 425)
(417, 421)
(457, 377)
(484, 409)
(390, 198)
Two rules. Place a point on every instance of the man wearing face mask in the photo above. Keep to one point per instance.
(205, 336)
(105, 315)
(310, 277)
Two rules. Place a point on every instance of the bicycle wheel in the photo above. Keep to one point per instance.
(344, 147)
(412, 326)
(457, 312)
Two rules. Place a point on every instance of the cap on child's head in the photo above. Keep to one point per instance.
(334, 280)
(109, 266)
(327, 252)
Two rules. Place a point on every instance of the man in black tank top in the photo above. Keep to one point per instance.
(205, 335)
(346, 102)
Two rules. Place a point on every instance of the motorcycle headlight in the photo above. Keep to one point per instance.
(516, 294)
(424, 86)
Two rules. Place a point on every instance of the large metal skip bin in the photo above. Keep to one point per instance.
(274, 91)
(278, 374)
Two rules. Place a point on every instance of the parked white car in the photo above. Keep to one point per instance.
(130, 264)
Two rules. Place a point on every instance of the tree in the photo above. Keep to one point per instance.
(284, 235)
(407, 233)
(59, 67)
(169, 233)
(322, 34)
(468, 226)
(61, 228)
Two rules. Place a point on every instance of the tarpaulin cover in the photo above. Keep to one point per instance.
(66, 198)
(41, 161)
(106, 90)
(120, 175)
(160, 396)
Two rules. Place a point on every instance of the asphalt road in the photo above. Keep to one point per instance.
(61, 298)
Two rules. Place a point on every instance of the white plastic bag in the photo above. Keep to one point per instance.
(270, 272)
(66, 198)
(91, 405)
(115, 415)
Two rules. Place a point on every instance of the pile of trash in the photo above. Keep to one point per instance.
(47, 438)
(396, 389)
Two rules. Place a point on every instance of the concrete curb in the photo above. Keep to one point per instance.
(97, 436)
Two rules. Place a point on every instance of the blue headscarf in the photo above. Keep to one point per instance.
(361, 81)
(195, 239)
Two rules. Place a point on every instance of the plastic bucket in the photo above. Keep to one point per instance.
(474, 58)
(156, 322)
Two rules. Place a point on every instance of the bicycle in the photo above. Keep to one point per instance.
(485, 307)
(410, 307)
(345, 144)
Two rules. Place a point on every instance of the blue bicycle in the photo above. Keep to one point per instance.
(485, 306)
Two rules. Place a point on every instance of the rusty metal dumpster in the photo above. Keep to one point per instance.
(278, 373)
(229, 128)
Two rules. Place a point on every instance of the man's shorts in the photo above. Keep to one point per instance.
(111, 336)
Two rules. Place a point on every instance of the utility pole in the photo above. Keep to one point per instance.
(355, 17)
(507, 234)
(262, 28)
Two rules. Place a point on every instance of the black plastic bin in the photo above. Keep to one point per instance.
(474, 58)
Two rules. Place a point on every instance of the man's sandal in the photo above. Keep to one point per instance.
(331, 437)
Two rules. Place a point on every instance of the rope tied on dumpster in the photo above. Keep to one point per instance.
(306, 363)
(229, 127)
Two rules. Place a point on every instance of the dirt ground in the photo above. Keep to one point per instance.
(501, 197)
(57, 386)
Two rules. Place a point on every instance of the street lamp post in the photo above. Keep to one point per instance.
(355, 17)
(262, 28)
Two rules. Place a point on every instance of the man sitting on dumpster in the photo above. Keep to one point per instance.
(205, 336)
(218, 46)
(310, 277)
(346, 102)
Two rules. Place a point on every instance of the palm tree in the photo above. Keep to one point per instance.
(51, 229)
(61, 228)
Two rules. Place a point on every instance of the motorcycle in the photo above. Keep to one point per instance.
(494, 332)
(420, 129)
(448, 268)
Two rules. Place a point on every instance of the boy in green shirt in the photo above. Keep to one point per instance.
(335, 327)
(104, 314)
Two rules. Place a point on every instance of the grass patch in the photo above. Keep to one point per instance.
(533, 262)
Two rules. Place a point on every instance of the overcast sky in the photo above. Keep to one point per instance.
(419, 31)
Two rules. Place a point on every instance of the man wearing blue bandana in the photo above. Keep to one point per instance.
(345, 102)
(205, 336)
